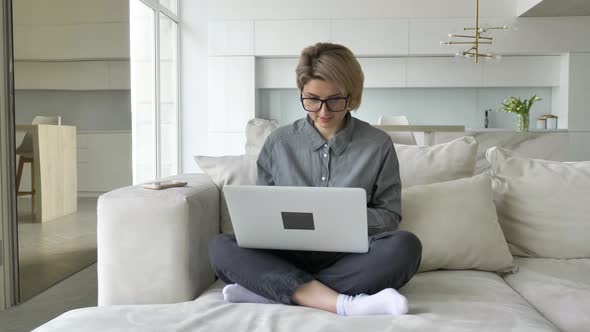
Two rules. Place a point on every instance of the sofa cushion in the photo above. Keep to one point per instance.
(439, 301)
(457, 224)
(558, 288)
(543, 206)
(235, 170)
(437, 163)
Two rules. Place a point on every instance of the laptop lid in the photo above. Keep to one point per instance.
(299, 218)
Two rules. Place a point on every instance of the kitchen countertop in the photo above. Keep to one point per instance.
(422, 128)
(491, 130)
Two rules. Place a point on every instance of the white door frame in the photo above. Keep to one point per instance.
(9, 295)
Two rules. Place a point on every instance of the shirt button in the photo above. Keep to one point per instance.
(325, 155)
(323, 178)
(325, 146)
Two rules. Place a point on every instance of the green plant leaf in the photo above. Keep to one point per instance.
(517, 105)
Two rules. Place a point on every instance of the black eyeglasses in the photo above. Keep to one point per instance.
(337, 104)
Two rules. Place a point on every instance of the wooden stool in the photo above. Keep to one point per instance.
(19, 174)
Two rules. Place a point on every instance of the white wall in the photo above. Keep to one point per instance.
(560, 94)
(579, 84)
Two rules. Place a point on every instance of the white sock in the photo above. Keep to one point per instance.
(238, 294)
(386, 302)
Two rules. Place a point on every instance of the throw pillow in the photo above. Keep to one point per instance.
(236, 170)
(457, 224)
(436, 163)
(257, 130)
(543, 206)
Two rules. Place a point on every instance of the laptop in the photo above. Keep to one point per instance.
(299, 218)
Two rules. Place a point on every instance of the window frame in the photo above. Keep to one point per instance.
(159, 8)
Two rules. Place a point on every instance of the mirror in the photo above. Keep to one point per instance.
(73, 123)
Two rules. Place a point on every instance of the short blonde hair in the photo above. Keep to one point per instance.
(332, 62)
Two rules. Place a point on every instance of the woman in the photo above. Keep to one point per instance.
(328, 148)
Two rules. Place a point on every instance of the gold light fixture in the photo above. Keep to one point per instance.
(476, 40)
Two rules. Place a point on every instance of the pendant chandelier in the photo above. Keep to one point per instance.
(475, 40)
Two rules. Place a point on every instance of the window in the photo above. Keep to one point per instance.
(154, 88)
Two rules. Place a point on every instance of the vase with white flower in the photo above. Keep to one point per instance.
(522, 109)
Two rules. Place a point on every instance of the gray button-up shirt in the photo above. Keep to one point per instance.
(359, 156)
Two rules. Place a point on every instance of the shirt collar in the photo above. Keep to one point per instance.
(338, 143)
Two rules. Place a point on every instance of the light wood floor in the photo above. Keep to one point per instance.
(78, 291)
(54, 250)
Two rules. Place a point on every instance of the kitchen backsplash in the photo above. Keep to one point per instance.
(439, 106)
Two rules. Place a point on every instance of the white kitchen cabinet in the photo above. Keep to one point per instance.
(62, 12)
(68, 75)
(276, 73)
(527, 36)
(379, 73)
(119, 75)
(231, 37)
(394, 72)
(425, 35)
(71, 75)
(104, 161)
(530, 71)
(289, 37)
(426, 72)
(543, 35)
(108, 41)
(85, 75)
(384, 72)
(231, 93)
(372, 37)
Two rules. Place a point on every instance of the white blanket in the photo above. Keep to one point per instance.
(439, 301)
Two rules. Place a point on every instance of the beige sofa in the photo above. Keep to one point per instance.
(154, 275)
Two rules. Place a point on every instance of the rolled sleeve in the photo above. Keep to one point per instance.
(384, 209)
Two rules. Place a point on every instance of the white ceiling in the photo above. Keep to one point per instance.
(559, 8)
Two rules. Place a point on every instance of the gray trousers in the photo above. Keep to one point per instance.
(393, 258)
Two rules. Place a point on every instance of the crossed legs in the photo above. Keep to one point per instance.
(299, 277)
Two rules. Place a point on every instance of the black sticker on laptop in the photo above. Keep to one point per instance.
(298, 220)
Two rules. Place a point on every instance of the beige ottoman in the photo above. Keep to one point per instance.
(152, 244)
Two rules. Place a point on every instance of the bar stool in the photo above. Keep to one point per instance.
(25, 153)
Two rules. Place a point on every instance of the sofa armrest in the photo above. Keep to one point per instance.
(152, 244)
